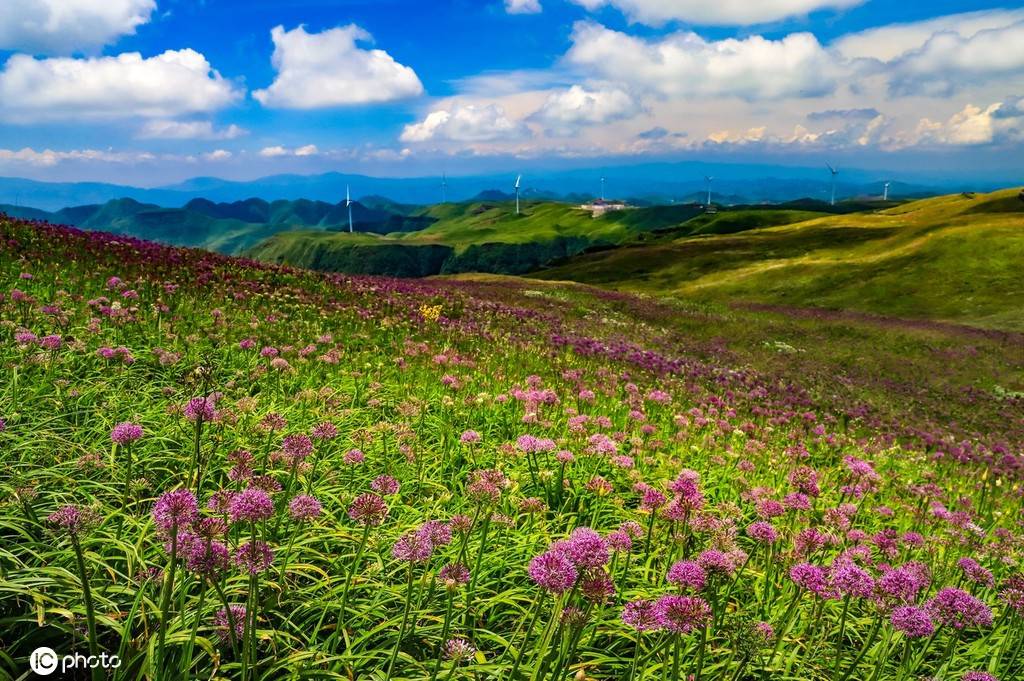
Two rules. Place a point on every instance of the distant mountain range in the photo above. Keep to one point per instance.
(661, 183)
(229, 227)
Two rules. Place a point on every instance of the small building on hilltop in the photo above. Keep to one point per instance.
(599, 207)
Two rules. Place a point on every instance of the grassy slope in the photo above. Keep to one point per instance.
(461, 225)
(953, 257)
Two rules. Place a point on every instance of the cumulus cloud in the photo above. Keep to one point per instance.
(566, 111)
(329, 69)
(308, 150)
(522, 6)
(188, 130)
(167, 85)
(999, 123)
(718, 12)
(948, 61)
(683, 64)
(886, 43)
(66, 26)
(465, 123)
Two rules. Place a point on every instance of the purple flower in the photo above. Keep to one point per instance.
(437, 532)
(978, 676)
(810, 577)
(385, 485)
(852, 580)
(53, 342)
(904, 583)
(682, 614)
(254, 557)
(304, 507)
(716, 562)
(458, 649)
(251, 505)
(642, 615)
(687, 574)
(126, 433)
(413, 547)
(959, 609)
(200, 409)
(224, 623)
(73, 519)
(976, 573)
(914, 622)
(368, 510)
(585, 548)
(297, 447)
(553, 571)
(174, 509)
(453, 575)
(325, 431)
(207, 558)
(469, 437)
(763, 532)
(597, 586)
(353, 457)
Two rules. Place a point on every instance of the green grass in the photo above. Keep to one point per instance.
(951, 258)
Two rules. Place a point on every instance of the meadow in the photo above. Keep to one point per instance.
(224, 469)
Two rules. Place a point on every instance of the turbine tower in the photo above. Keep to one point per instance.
(708, 179)
(519, 181)
(602, 189)
(885, 195)
(348, 204)
(444, 188)
(835, 172)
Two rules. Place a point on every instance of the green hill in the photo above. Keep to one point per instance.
(479, 236)
(955, 257)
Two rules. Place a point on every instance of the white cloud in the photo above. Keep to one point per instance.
(49, 157)
(685, 65)
(320, 70)
(999, 123)
(886, 43)
(68, 26)
(717, 12)
(566, 110)
(465, 123)
(278, 151)
(218, 155)
(949, 62)
(189, 130)
(167, 85)
(272, 152)
(522, 6)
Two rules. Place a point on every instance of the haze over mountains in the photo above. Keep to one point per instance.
(653, 182)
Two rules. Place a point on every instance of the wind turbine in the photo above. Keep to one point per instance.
(519, 181)
(885, 195)
(602, 189)
(834, 171)
(708, 179)
(444, 188)
(348, 204)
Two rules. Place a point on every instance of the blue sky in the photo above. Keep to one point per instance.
(154, 91)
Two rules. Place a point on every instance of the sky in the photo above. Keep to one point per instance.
(151, 92)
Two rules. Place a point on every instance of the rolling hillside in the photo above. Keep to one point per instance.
(478, 236)
(228, 228)
(955, 258)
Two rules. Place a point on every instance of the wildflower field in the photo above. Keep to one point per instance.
(219, 469)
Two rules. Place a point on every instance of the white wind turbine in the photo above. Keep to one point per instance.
(348, 204)
(835, 172)
(444, 188)
(708, 179)
(602, 189)
(519, 181)
(885, 195)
